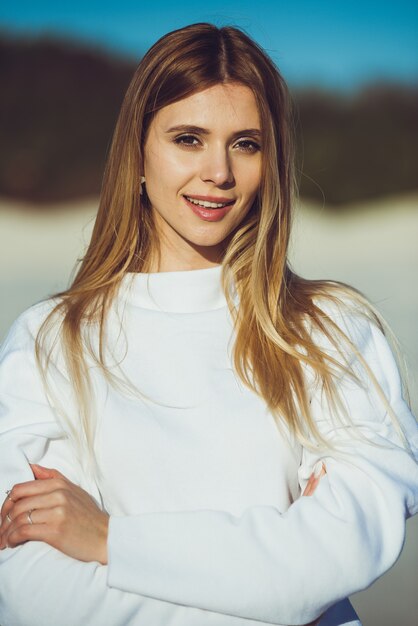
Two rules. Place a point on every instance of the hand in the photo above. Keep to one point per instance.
(54, 510)
(313, 481)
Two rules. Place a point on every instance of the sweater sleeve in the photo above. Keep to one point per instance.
(290, 567)
(40, 586)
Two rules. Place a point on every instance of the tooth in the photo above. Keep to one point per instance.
(206, 204)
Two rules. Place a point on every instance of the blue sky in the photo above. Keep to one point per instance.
(339, 45)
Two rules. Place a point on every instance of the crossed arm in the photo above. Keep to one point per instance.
(203, 560)
(54, 510)
(53, 576)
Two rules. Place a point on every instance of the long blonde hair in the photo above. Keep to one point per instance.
(273, 342)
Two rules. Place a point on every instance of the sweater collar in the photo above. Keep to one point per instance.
(188, 291)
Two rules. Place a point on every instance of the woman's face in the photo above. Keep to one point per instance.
(202, 165)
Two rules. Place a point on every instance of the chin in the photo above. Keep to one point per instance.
(209, 242)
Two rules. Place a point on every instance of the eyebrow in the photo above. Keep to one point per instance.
(204, 131)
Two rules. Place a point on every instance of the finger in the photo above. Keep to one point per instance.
(318, 473)
(8, 497)
(42, 473)
(7, 504)
(39, 472)
(322, 472)
(10, 525)
(29, 489)
(313, 483)
(22, 490)
(29, 526)
(47, 525)
(308, 489)
(314, 479)
(319, 470)
(7, 520)
(6, 513)
(34, 487)
(43, 501)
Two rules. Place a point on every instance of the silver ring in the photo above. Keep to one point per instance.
(28, 515)
(9, 519)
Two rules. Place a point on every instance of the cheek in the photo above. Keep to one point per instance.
(170, 171)
(181, 164)
(252, 182)
(248, 176)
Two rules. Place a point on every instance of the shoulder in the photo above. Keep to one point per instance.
(345, 326)
(353, 317)
(24, 330)
(357, 337)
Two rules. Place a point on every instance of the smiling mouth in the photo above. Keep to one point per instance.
(209, 205)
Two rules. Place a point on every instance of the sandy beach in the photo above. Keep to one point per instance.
(372, 247)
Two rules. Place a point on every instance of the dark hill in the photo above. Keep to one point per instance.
(58, 108)
(60, 102)
(359, 147)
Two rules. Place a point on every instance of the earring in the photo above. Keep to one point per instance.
(141, 183)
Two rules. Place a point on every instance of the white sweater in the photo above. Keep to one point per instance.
(207, 525)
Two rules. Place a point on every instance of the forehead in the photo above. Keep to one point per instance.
(229, 105)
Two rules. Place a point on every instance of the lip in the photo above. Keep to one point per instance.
(206, 214)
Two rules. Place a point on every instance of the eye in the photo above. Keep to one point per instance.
(248, 145)
(188, 141)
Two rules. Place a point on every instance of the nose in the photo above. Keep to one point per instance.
(216, 167)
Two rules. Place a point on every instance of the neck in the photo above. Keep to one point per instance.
(181, 255)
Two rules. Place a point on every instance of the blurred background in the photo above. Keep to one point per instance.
(353, 72)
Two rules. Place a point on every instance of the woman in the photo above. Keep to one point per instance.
(162, 417)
